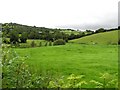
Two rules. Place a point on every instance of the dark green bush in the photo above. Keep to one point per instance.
(119, 41)
(33, 44)
(50, 43)
(40, 44)
(4, 40)
(46, 44)
(59, 42)
(23, 37)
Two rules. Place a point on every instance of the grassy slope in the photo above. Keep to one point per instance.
(100, 38)
(89, 60)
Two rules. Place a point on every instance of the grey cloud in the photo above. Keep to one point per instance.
(90, 26)
(110, 21)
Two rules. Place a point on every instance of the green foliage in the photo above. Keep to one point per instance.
(77, 81)
(59, 42)
(7, 28)
(34, 32)
(14, 37)
(40, 44)
(100, 30)
(119, 41)
(58, 35)
(33, 35)
(23, 37)
(43, 33)
(5, 40)
(15, 72)
(108, 81)
(50, 43)
(24, 45)
(46, 43)
(33, 44)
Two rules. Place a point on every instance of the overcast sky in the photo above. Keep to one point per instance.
(74, 14)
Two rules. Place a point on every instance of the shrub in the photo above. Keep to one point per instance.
(33, 44)
(119, 41)
(24, 45)
(59, 42)
(66, 40)
(50, 43)
(23, 37)
(46, 44)
(108, 81)
(40, 44)
(15, 72)
(14, 37)
(4, 40)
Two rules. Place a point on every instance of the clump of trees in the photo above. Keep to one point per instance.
(14, 37)
(118, 27)
(100, 30)
(59, 42)
(5, 40)
(23, 37)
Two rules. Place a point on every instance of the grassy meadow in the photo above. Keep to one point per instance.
(90, 56)
(88, 60)
(99, 38)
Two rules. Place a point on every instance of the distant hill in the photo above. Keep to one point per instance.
(101, 35)
(25, 28)
(110, 37)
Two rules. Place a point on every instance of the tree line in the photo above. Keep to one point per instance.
(20, 33)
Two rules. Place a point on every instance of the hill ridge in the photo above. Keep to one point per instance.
(110, 37)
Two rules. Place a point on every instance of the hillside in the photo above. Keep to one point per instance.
(110, 37)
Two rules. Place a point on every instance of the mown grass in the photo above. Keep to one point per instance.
(89, 60)
(100, 38)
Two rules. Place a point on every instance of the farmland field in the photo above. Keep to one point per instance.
(89, 60)
(100, 38)
(63, 58)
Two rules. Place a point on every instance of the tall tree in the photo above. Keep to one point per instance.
(23, 37)
(14, 37)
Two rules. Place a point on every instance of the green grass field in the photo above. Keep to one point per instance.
(100, 38)
(89, 60)
(70, 32)
(54, 64)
